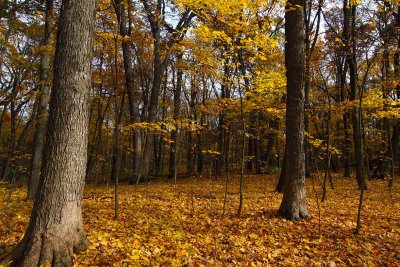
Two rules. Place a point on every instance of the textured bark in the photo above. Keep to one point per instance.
(43, 101)
(293, 206)
(55, 229)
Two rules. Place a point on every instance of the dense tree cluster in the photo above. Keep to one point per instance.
(184, 88)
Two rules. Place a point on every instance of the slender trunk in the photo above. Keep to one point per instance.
(327, 158)
(177, 110)
(3, 113)
(242, 158)
(42, 100)
(116, 160)
(354, 95)
(118, 109)
(271, 141)
(133, 102)
(13, 128)
(343, 77)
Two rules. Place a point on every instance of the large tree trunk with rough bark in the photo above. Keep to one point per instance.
(293, 206)
(55, 229)
(42, 102)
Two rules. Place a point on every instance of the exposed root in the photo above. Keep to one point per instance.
(47, 249)
(293, 214)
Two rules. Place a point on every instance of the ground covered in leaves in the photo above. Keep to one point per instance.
(165, 225)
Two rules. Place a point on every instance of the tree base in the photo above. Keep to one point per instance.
(55, 244)
(293, 214)
(50, 247)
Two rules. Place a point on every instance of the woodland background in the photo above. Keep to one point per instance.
(187, 111)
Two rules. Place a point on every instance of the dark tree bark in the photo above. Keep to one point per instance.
(293, 206)
(116, 157)
(97, 127)
(272, 135)
(342, 74)
(177, 111)
(3, 113)
(55, 229)
(14, 110)
(118, 109)
(156, 17)
(282, 175)
(12, 17)
(395, 139)
(191, 144)
(309, 48)
(134, 115)
(199, 146)
(354, 95)
(220, 162)
(42, 100)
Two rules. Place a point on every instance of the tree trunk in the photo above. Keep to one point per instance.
(43, 100)
(354, 95)
(134, 115)
(116, 157)
(159, 70)
(282, 175)
(55, 229)
(343, 78)
(177, 111)
(274, 124)
(13, 127)
(293, 206)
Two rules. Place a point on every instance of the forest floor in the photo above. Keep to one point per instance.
(165, 225)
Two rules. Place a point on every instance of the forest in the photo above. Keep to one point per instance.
(199, 133)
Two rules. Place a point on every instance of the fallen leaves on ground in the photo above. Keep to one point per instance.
(165, 225)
